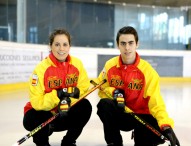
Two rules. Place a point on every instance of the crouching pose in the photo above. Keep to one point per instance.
(57, 82)
(132, 82)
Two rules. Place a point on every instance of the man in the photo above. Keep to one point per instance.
(132, 82)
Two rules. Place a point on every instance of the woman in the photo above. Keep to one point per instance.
(59, 77)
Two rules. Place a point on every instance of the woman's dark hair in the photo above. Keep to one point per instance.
(127, 30)
(58, 32)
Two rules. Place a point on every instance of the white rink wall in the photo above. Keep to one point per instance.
(17, 60)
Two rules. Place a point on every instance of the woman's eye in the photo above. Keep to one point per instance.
(65, 45)
(57, 45)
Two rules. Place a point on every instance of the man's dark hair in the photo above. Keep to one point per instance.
(127, 30)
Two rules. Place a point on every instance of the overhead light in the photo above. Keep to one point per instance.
(168, 7)
(109, 2)
(124, 4)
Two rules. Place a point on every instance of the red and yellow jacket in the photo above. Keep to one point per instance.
(50, 75)
(141, 85)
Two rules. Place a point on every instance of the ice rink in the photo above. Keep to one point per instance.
(177, 96)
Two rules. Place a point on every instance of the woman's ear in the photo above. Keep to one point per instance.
(49, 48)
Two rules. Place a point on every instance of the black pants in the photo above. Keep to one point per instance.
(74, 122)
(114, 120)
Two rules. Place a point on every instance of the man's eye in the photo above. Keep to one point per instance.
(123, 44)
(131, 43)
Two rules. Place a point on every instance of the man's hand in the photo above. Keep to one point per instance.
(118, 95)
(170, 135)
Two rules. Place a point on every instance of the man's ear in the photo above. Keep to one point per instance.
(117, 45)
(137, 44)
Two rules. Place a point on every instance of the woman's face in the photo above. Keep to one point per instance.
(60, 47)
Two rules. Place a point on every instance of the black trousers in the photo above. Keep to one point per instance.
(74, 122)
(114, 120)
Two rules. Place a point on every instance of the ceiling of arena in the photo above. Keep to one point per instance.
(166, 3)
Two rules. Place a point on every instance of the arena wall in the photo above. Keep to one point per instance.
(18, 60)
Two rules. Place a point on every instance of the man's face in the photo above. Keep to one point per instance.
(127, 46)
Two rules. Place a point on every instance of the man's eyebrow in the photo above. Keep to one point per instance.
(127, 42)
(130, 41)
(123, 42)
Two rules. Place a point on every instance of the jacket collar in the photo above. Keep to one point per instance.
(137, 60)
(56, 62)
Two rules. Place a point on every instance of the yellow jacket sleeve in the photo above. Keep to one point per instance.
(39, 100)
(83, 80)
(106, 91)
(156, 103)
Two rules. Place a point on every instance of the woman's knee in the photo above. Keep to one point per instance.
(34, 118)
